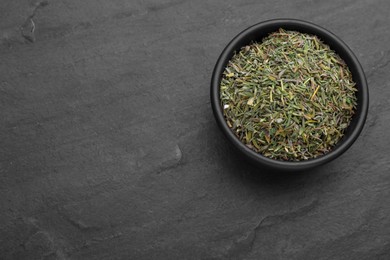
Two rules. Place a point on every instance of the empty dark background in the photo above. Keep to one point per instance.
(109, 149)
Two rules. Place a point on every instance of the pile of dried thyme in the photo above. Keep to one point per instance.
(289, 97)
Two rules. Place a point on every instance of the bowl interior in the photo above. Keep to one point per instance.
(255, 34)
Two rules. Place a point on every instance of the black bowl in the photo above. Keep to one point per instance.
(256, 33)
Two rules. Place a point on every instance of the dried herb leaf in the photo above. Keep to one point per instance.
(289, 97)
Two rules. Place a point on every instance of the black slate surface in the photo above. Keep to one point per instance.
(109, 149)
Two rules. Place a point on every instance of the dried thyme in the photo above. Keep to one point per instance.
(289, 97)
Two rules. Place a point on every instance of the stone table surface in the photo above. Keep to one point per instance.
(109, 149)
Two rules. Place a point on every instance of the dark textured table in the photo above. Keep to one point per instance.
(109, 149)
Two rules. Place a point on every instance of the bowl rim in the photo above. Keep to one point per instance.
(302, 26)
